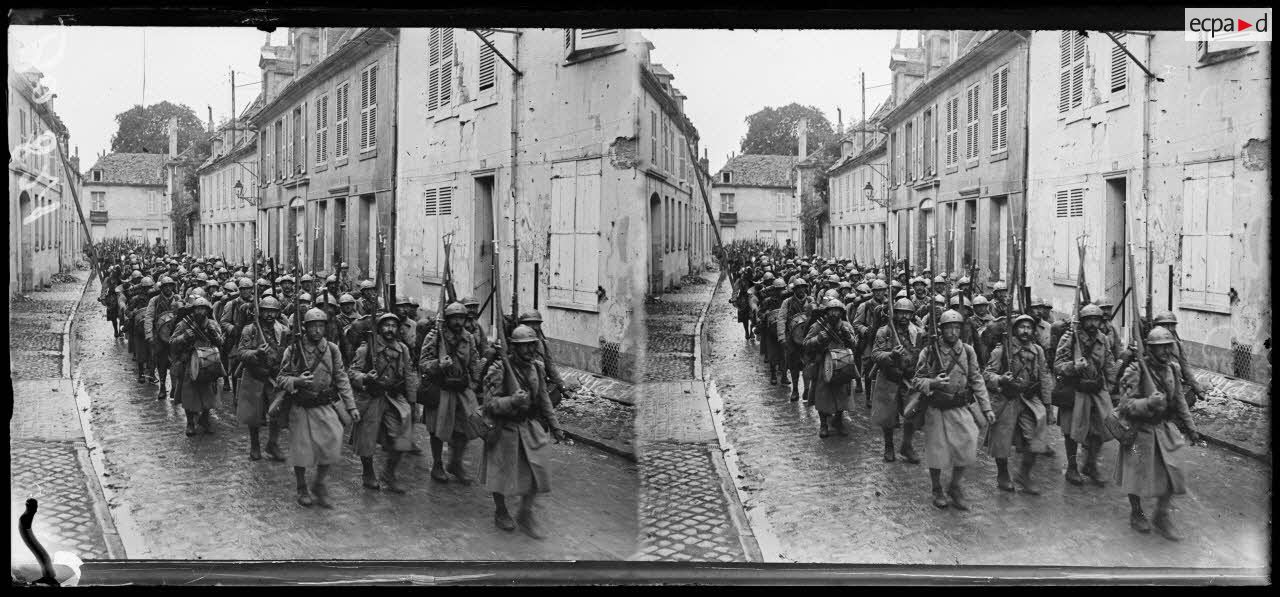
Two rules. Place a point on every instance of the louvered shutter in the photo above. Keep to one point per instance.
(446, 67)
(1062, 247)
(586, 232)
(1119, 65)
(586, 39)
(431, 232)
(445, 201)
(485, 68)
(433, 69)
(373, 107)
(1219, 202)
(920, 133)
(563, 191)
(364, 105)
(1064, 66)
(1078, 48)
(999, 109)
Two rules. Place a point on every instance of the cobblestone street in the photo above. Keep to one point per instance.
(835, 500)
(202, 498)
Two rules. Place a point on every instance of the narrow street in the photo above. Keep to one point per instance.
(202, 498)
(835, 500)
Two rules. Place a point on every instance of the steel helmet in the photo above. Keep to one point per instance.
(1103, 303)
(269, 302)
(285, 278)
(940, 279)
(324, 299)
(827, 272)
(367, 284)
(135, 274)
(831, 261)
(315, 315)
(1090, 310)
(879, 285)
(200, 260)
(778, 283)
(530, 316)
(999, 286)
(346, 298)
(901, 294)
(904, 304)
(166, 280)
(1160, 335)
(980, 300)
(181, 270)
(832, 303)
(230, 286)
(388, 315)
(768, 277)
(263, 282)
(268, 292)
(1165, 317)
(455, 308)
(218, 296)
(799, 281)
(467, 302)
(846, 285)
(1039, 302)
(342, 265)
(331, 278)
(951, 316)
(304, 297)
(308, 278)
(203, 277)
(147, 282)
(200, 301)
(834, 279)
(896, 284)
(863, 288)
(938, 298)
(403, 300)
(523, 334)
(197, 270)
(1027, 318)
(813, 271)
(831, 293)
(244, 283)
(919, 280)
(222, 270)
(960, 300)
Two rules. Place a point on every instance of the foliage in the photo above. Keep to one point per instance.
(772, 131)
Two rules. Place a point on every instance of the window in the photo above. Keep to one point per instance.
(1000, 110)
(322, 129)
(99, 200)
(726, 177)
(930, 148)
(97, 176)
(680, 146)
(575, 236)
(262, 152)
(485, 68)
(1119, 64)
(653, 137)
(971, 123)
(782, 205)
(893, 158)
(341, 120)
(277, 171)
(437, 204)
(439, 70)
(296, 150)
(1206, 234)
(908, 147)
(1067, 225)
(666, 144)
(727, 203)
(369, 105)
(1071, 52)
(952, 121)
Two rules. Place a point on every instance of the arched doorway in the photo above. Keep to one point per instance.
(296, 236)
(26, 232)
(655, 244)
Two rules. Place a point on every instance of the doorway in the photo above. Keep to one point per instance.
(365, 242)
(339, 231)
(482, 239)
(1116, 247)
(998, 236)
(317, 242)
(655, 244)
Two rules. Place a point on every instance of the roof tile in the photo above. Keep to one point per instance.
(761, 170)
(130, 168)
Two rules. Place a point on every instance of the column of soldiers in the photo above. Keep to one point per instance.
(967, 383)
(316, 357)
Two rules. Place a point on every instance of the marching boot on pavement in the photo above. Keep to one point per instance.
(197, 330)
(770, 310)
(158, 325)
(138, 341)
(317, 397)
(832, 332)
(895, 352)
(1023, 388)
(517, 461)
(258, 364)
(795, 323)
(1087, 365)
(1151, 461)
(385, 383)
(872, 315)
(452, 361)
(952, 389)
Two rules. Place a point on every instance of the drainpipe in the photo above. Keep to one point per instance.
(395, 144)
(1021, 264)
(515, 220)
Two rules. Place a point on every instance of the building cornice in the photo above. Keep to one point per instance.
(362, 44)
(650, 83)
(970, 61)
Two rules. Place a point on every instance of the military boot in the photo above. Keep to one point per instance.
(319, 490)
(1024, 474)
(1002, 475)
(191, 424)
(389, 473)
(255, 447)
(1164, 525)
(525, 519)
(824, 430)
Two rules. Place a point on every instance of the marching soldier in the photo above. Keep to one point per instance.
(452, 361)
(196, 329)
(158, 326)
(951, 428)
(110, 298)
(367, 304)
(1022, 387)
(1087, 365)
(1000, 299)
(307, 284)
(258, 364)
(1192, 390)
(557, 387)
(473, 326)
(285, 294)
(347, 314)
(773, 350)
(517, 463)
(894, 353)
(793, 351)
(871, 316)
(138, 341)
(1153, 465)
(385, 382)
(742, 300)
(319, 401)
(829, 333)
(981, 315)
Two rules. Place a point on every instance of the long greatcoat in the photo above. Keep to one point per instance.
(256, 385)
(794, 353)
(1084, 419)
(890, 388)
(137, 334)
(822, 337)
(315, 434)
(387, 417)
(1154, 464)
(773, 350)
(518, 463)
(1020, 420)
(449, 417)
(157, 306)
(951, 435)
(195, 396)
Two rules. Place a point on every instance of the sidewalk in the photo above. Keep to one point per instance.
(689, 510)
(49, 458)
(601, 413)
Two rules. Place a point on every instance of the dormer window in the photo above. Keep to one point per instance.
(726, 177)
(97, 176)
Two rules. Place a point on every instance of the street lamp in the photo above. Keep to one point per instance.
(867, 191)
(239, 189)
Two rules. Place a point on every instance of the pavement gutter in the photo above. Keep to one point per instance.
(750, 546)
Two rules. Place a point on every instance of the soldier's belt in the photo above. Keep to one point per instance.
(324, 397)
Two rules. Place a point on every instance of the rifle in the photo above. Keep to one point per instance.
(1008, 312)
(1121, 305)
(257, 314)
(1139, 345)
(509, 384)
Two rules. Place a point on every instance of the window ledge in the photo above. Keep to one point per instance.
(1073, 116)
(589, 55)
(1057, 281)
(436, 279)
(573, 306)
(368, 153)
(1117, 103)
(487, 99)
(321, 168)
(342, 161)
(971, 164)
(1205, 308)
(1000, 156)
(952, 169)
(1221, 56)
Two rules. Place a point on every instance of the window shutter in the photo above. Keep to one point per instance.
(1077, 69)
(431, 232)
(1064, 66)
(373, 107)
(445, 201)
(485, 68)
(433, 69)
(446, 67)
(1195, 195)
(1218, 214)
(563, 191)
(586, 236)
(586, 39)
(999, 109)
(1119, 65)
(364, 104)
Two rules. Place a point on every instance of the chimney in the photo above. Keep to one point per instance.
(173, 137)
(803, 132)
(839, 122)
(210, 119)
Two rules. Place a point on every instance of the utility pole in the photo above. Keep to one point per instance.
(233, 108)
(862, 126)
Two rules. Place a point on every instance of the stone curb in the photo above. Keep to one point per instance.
(67, 338)
(605, 445)
(1235, 447)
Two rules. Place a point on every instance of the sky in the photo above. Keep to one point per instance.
(98, 72)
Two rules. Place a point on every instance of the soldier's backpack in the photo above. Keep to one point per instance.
(164, 325)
